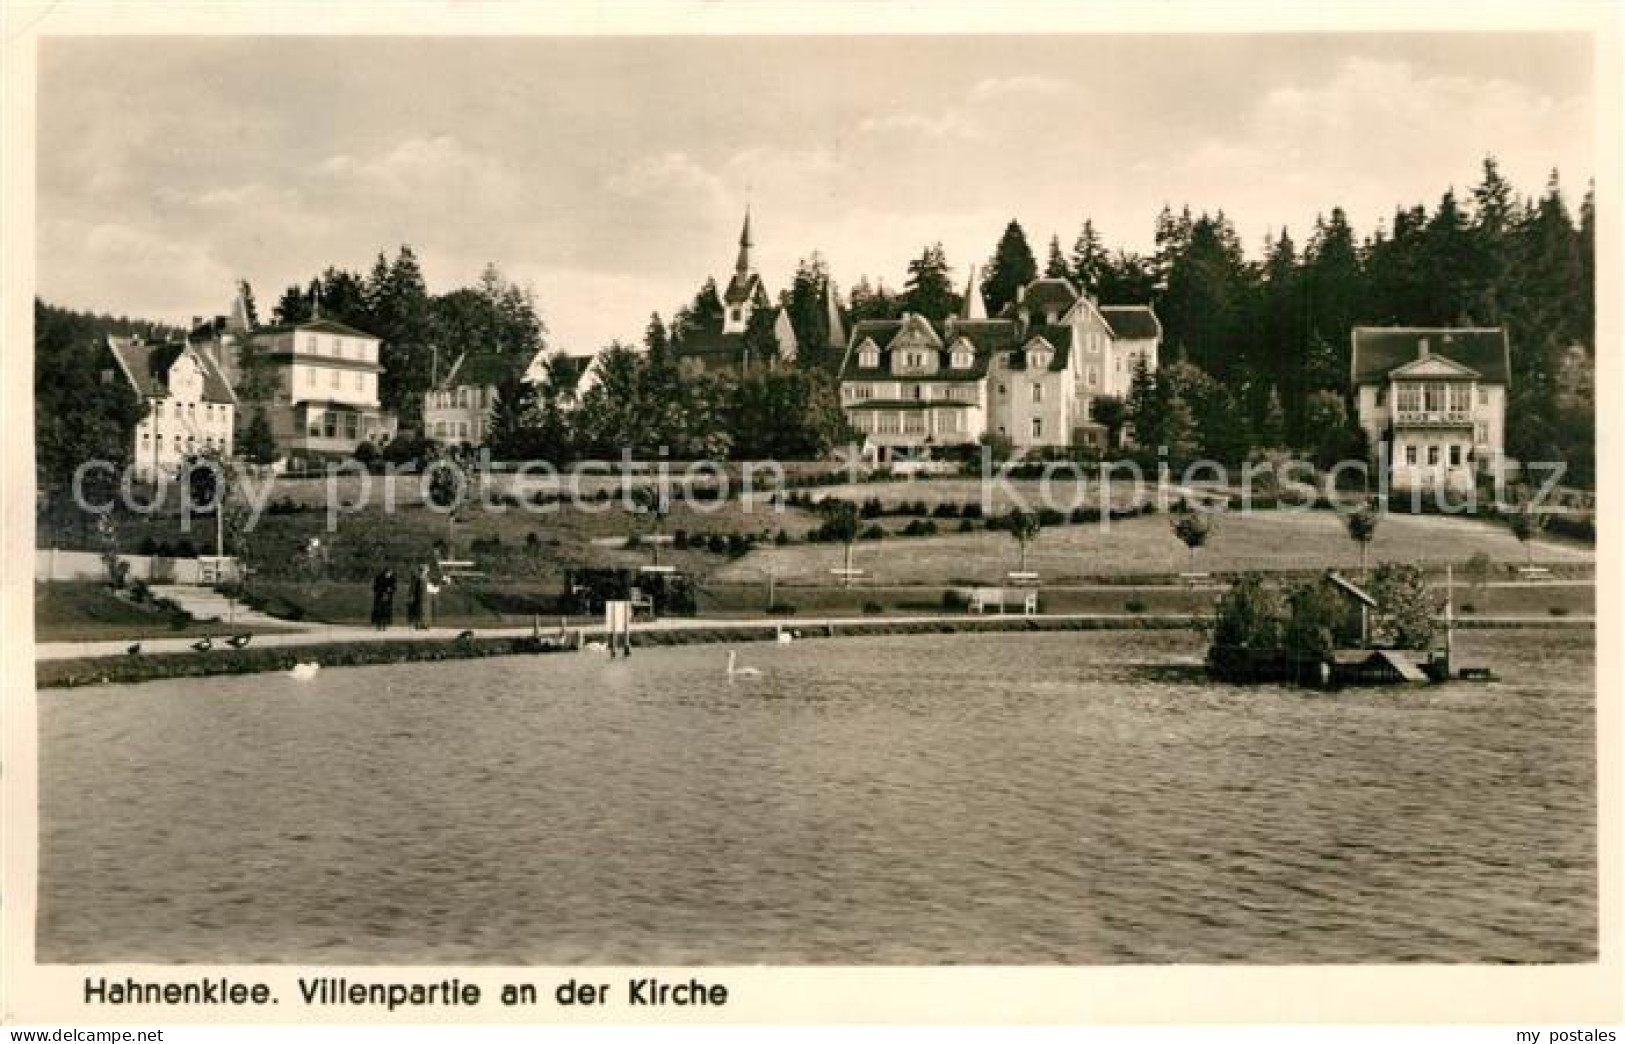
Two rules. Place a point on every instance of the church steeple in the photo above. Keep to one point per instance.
(745, 293)
(973, 308)
(743, 265)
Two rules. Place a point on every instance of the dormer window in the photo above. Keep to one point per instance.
(962, 359)
(868, 355)
(1038, 359)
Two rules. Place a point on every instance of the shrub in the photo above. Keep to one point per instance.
(148, 546)
(679, 540)
(971, 510)
(184, 548)
(945, 510)
(737, 545)
(966, 525)
(781, 538)
(953, 601)
(920, 527)
(1468, 608)
(872, 607)
(1559, 610)
(1134, 605)
(717, 544)
(366, 454)
(781, 609)
(1050, 517)
(633, 542)
(873, 532)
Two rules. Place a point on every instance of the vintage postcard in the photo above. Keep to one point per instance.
(738, 513)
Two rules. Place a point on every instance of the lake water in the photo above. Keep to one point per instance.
(1002, 799)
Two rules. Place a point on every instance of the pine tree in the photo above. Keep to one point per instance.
(1143, 407)
(1491, 266)
(1056, 267)
(929, 290)
(805, 302)
(256, 444)
(292, 307)
(1089, 261)
(656, 345)
(1179, 431)
(1011, 268)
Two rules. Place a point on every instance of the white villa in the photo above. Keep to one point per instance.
(324, 402)
(1436, 396)
(910, 385)
(190, 404)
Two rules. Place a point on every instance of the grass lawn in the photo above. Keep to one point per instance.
(75, 612)
(521, 544)
(1062, 494)
(1264, 540)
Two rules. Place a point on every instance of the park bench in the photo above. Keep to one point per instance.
(981, 598)
(1534, 572)
(1194, 579)
(641, 599)
(455, 567)
(1022, 579)
(846, 576)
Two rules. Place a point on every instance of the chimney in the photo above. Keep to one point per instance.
(1422, 349)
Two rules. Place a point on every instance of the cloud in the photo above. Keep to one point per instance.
(158, 276)
(662, 175)
(419, 167)
(1344, 140)
(1000, 89)
(951, 124)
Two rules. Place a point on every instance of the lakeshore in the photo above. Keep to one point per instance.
(72, 664)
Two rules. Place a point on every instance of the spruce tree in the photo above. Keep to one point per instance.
(929, 290)
(1011, 268)
(1056, 267)
(1143, 407)
(1089, 261)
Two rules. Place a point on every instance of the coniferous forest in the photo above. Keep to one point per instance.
(1255, 351)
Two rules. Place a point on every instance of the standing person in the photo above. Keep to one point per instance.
(430, 588)
(415, 597)
(383, 599)
(385, 609)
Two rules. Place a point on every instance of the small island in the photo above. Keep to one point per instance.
(1330, 631)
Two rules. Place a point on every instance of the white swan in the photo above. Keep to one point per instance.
(304, 671)
(785, 637)
(597, 647)
(740, 672)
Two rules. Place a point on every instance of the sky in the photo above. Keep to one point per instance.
(610, 175)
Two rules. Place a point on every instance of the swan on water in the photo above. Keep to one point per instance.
(735, 671)
(304, 671)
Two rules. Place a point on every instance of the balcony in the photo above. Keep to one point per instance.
(1433, 418)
